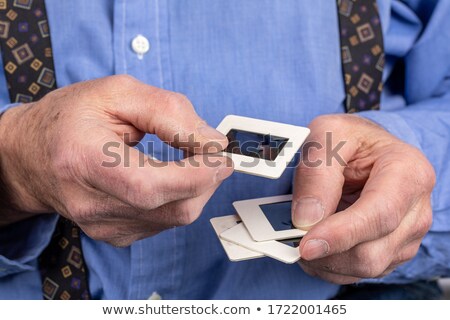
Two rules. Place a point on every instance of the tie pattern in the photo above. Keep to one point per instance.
(26, 49)
(30, 75)
(62, 266)
(362, 53)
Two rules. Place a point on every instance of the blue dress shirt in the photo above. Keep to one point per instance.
(275, 60)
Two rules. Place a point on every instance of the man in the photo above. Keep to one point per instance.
(146, 229)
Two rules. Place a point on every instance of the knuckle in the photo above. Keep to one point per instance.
(176, 101)
(187, 214)
(409, 253)
(405, 255)
(428, 177)
(414, 165)
(183, 218)
(368, 270)
(432, 177)
(327, 122)
(427, 222)
(423, 223)
(354, 230)
(388, 214)
(121, 81)
(367, 263)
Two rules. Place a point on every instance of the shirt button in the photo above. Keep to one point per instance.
(155, 296)
(140, 45)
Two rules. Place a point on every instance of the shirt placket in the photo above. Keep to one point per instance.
(141, 49)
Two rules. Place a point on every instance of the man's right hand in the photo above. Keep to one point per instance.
(53, 159)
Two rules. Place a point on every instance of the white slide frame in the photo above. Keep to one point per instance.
(257, 223)
(273, 249)
(261, 167)
(233, 251)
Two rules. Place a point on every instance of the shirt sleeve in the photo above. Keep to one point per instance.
(22, 242)
(426, 125)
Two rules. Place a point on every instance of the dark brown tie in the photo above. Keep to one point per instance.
(30, 75)
(362, 53)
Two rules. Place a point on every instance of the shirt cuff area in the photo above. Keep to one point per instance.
(395, 124)
(22, 242)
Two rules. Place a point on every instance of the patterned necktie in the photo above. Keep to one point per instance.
(362, 53)
(29, 69)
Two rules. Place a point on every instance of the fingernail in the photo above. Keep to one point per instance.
(307, 212)
(209, 133)
(224, 170)
(315, 249)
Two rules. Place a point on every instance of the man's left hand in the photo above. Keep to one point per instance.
(367, 208)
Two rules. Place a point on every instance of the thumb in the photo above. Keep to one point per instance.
(316, 195)
(319, 180)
